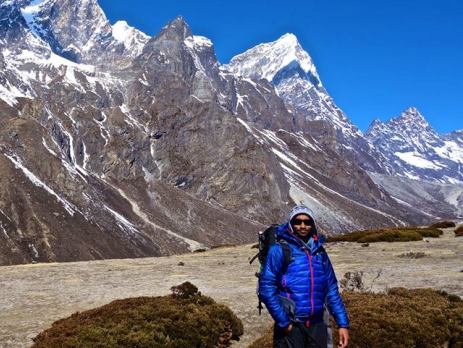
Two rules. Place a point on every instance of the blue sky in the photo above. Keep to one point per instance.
(375, 58)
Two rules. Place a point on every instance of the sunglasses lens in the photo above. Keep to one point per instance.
(299, 222)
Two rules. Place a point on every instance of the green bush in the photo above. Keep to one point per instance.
(394, 234)
(401, 318)
(182, 320)
(443, 224)
(459, 231)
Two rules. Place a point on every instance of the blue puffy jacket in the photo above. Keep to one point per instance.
(308, 281)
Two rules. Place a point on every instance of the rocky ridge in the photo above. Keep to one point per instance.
(416, 149)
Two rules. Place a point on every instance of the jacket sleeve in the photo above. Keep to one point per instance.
(334, 299)
(269, 281)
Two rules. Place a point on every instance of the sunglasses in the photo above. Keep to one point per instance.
(300, 222)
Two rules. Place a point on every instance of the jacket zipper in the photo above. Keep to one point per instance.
(309, 258)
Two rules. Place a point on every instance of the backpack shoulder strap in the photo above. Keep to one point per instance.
(322, 251)
(286, 254)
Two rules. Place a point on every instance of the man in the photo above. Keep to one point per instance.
(296, 298)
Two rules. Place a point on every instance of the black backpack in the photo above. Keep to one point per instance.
(268, 238)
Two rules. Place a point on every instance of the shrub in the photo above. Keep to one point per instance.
(393, 234)
(405, 318)
(459, 231)
(400, 318)
(183, 319)
(265, 341)
(443, 224)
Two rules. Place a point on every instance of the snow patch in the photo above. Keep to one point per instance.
(450, 150)
(44, 143)
(192, 244)
(35, 253)
(455, 197)
(131, 38)
(3, 213)
(70, 208)
(299, 196)
(240, 101)
(288, 160)
(131, 120)
(9, 93)
(103, 131)
(413, 158)
(198, 42)
(86, 156)
(80, 169)
(30, 12)
(121, 221)
(248, 128)
(301, 140)
(4, 231)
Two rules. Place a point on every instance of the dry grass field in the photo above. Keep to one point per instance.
(32, 297)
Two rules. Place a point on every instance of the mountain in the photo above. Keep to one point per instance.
(289, 68)
(79, 177)
(406, 146)
(113, 144)
(90, 38)
(415, 150)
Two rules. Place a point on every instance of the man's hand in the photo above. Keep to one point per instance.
(343, 337)
(289, 328)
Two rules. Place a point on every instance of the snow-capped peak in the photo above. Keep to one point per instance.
(411, 118)
(267, 59)
(376, 122)
(129, 36)
(412, 113)
(410, 124)
(294, 50)
(375, 126)
(415, 149)
(121, 31)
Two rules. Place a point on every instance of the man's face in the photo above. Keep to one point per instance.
(301, 225)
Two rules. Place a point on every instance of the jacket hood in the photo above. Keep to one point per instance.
(285, 231)
(300, 209)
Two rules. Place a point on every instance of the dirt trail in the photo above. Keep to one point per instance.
(33, 296)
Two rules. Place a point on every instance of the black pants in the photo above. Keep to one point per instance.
(300, 336)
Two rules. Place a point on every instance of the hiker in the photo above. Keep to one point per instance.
(295, 297)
